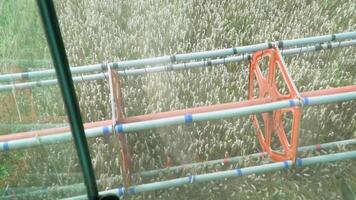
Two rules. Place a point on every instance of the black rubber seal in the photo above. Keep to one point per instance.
(103, 67)
(115, 65)
(173, 58)
(234, 50)
(318, 47)
(333, 37)
(24, 76)
(280, 44)
(170, 68)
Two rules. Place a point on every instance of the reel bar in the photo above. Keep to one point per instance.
(184, 57)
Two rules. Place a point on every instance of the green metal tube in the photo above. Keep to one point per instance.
(180, 66)
(60, 61)
(229, 113)
(50, 139)
(260, 169)
(235, 159)
(325, 158)
(311, 101)
(26, 85)
(80, 187)
(232, 59)
(215, 115)
(138, 126)
(27, 192)
(186, 57)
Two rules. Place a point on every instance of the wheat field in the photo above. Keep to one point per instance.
(97, 31)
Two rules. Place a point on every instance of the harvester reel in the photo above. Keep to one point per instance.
(271, 80)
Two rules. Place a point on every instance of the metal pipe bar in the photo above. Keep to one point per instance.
(232, 59)
(186, 57)
(174, 67)
(181, 66)
(60, 61)
(231, 105)
(238, 172)
(49, 131)
(229, 113)
(77, 188)
(33, 192)
(161, 115)
(231, 160)
(27, 85)
(187, 118)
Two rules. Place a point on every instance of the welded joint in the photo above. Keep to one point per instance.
(25, 76)
(103, 67)
(173, 58)
(333, 37)
(115, 65)
(280, 44)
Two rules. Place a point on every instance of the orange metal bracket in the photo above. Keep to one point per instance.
(119, 114)
(265, 82)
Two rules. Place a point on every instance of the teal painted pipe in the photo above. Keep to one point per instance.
(311, 101)
(235, 159)
(232, 59)
(301, 162)
(260, 169)
(78, 188)
(181, 66)
(50, 139)
(26, 192)
(320, 39)
(186, 57)
(229, 113)
(215, 115)
(206, 116)
(27, 85)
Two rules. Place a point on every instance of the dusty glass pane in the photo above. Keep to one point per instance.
(30, 109)
(100, 32)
